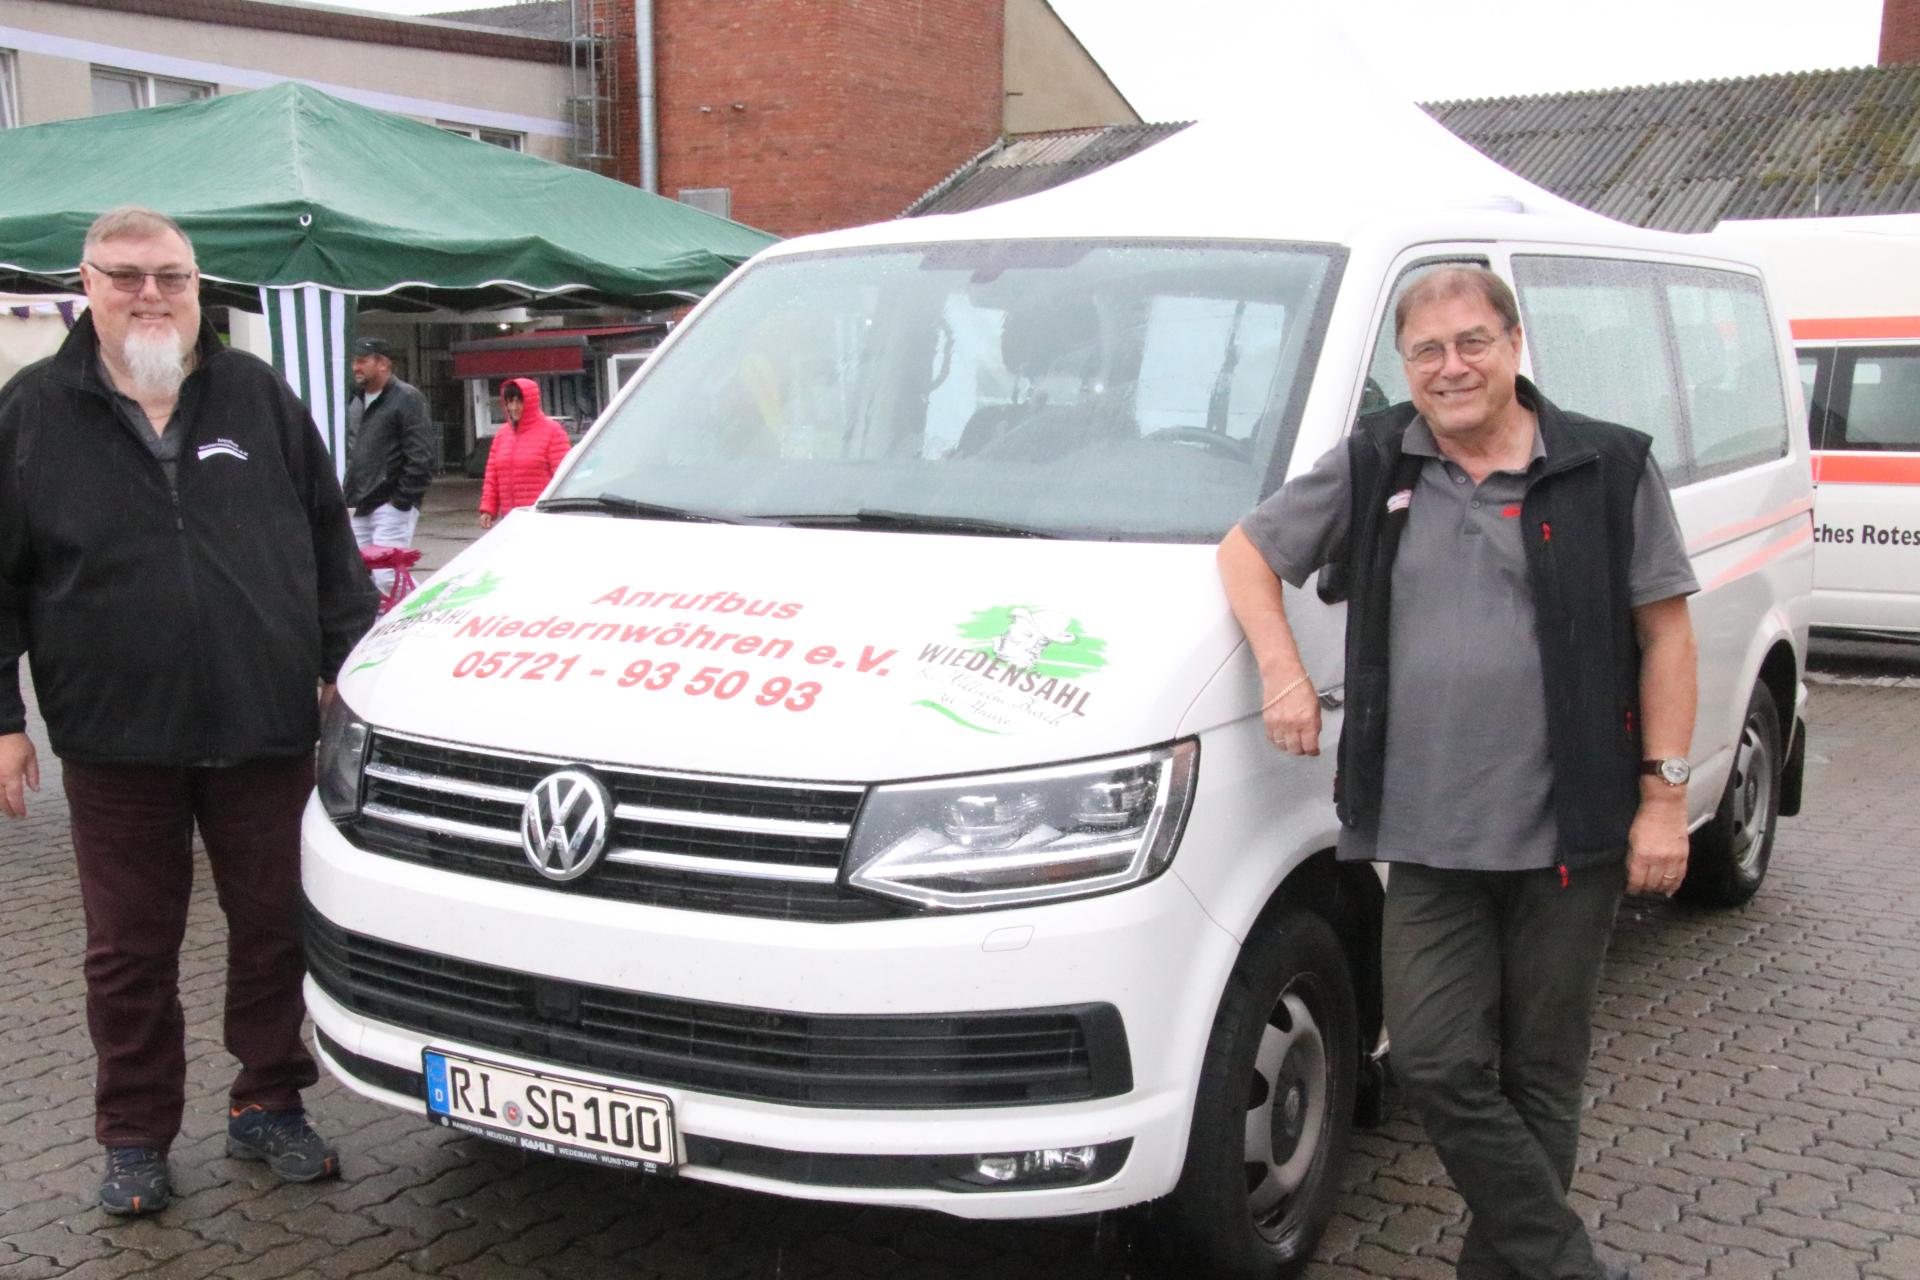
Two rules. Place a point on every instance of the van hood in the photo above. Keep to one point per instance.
(815, 654)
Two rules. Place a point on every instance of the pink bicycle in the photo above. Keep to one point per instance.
(401, 561)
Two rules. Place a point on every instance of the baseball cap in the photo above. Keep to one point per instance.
(373, 347)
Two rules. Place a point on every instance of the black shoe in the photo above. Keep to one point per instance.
(284, 1140)
(136, 1182)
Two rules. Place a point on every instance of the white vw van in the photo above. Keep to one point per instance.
(848, 782)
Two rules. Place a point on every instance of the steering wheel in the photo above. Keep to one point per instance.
(1211, 441)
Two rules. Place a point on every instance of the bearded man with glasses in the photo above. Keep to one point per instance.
(176, 563)
(1491, 547)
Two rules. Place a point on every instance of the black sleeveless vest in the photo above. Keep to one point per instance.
(1577, 518)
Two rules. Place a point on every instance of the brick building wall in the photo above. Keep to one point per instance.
(814, 113)
(1899, 32)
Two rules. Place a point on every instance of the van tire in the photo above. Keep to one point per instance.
(1730, 853)
(1285, 1040)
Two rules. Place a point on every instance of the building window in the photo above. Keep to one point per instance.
(492, 137)
(9, 94)
(115, 90)
(715, 200)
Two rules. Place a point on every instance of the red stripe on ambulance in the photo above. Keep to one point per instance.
(1866, 468)
(1856, 327)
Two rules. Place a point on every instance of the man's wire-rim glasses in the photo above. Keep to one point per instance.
(1472, 347)
(132, 280)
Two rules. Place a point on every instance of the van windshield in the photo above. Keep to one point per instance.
(1094, 390)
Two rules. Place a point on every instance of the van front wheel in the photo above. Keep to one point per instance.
(1730, 853)
(1274, 1111)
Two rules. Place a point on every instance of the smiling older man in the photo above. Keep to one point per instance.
(176, 563)
(1513, 819)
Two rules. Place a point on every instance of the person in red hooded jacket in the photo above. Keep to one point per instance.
(525, 453)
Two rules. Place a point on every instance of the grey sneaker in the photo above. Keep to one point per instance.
(136, 1182)
(284, 1140)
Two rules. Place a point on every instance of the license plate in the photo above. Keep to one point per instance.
(551, 1114)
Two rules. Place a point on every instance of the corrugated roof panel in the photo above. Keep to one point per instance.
(1659, 155)
(1677, 154)
(1024, 165)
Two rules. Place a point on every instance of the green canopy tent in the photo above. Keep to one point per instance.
(300, 203)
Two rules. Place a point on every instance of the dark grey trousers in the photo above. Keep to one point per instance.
(1490, 983)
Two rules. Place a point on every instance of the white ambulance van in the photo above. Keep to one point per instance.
(848, 782)
(1851, 291)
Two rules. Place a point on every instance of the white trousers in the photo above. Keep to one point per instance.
(388, 526)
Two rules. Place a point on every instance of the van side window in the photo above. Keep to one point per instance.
(1881, 405)
(1729, 373)
(1597, 329)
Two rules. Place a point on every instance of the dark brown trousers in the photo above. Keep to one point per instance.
(133, 842)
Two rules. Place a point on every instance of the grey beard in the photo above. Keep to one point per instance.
(157, 365)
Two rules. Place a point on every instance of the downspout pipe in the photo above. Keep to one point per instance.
(649, 113)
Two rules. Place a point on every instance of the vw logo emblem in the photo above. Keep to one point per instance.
(564, 826)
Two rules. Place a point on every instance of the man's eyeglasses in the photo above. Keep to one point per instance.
(1473, 348)
(128, 280)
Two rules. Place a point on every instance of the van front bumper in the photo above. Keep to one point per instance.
(1125, 983)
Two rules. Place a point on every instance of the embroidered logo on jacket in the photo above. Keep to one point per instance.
(222, 446)
(1400, 501)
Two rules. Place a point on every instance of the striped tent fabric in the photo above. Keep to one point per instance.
(311, 327)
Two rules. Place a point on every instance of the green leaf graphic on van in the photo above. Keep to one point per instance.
(431, 608)
(451, 593)
(1044, 641)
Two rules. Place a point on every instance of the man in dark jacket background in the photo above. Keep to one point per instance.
(1520, 691)
(176, 563)
(389, 452)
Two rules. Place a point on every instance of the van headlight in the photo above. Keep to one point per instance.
(1030, 835)
(343, 750)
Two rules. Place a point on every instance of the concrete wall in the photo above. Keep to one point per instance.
(1052, 82)
(57, 45)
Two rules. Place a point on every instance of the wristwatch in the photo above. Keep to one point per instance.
(1673, 770)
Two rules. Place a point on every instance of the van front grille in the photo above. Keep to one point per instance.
(731, 846)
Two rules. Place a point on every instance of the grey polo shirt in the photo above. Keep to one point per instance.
(1467, 781)
(164, 445)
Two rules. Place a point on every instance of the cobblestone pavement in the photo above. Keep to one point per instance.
(1756, 1103)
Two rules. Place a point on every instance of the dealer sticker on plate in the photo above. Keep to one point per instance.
(555, 1115)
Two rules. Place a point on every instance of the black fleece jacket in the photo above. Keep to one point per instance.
(389, 449)
(171, 627)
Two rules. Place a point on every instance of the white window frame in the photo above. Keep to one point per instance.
(9, 89)
(715, 200)
(505, 139)
(145, 85)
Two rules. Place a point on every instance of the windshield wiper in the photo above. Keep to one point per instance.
(612, 504)
(919, 521)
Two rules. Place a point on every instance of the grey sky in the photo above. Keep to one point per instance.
(1201, 57)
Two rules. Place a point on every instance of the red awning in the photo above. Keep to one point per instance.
(508, 362)
(536, 352)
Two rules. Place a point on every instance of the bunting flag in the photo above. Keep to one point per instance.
(311, 327)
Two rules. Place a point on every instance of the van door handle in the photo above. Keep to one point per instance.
(1333, 696)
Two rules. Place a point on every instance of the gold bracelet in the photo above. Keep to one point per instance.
(1284, 692)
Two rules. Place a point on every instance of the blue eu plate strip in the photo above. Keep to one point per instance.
(437, 1083)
